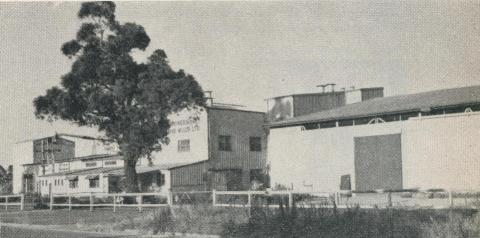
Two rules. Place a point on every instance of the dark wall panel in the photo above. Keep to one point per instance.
(306, 104)
(378, 162)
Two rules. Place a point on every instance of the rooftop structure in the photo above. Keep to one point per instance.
(428, 103)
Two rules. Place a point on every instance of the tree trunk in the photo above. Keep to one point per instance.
(131, 181)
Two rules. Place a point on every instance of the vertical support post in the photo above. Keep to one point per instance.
(214, 197)
(91, 202)
(22, 201)
(6, 203)
(337, 198)
(69, 202)
(290, 199)
(140, 202)
(389, 199)
(450, 198)
(170, 198)
(114, 203)
(51, 201)
(249, 199)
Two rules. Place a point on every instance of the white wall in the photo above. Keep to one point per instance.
(437, 152)
(195, 131)
(317, 157)
(83, 185)
(353, 96)
(442, 152)
(23, 153)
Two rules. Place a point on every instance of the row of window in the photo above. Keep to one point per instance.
(224, 144)
(56, 182)
(93, 183)
(386, 118)
(94, 164)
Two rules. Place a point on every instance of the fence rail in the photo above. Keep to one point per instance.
(434, 199)
(114, 200)
(7, 200)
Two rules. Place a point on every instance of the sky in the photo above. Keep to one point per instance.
(246, 52)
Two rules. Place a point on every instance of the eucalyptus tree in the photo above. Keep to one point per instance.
(107, 89)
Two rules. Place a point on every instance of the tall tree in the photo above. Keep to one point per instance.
(108, 89)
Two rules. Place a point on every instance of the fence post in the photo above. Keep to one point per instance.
(450, 198)
(51, 201)
(91, 202)
(114, 203)
(6, 203)
(337, 198)
(249, 201)
(170, 198)
(389, 199)
(290, 199)
(139, 197)
(214, 197)
(22, 201)
(69, 202)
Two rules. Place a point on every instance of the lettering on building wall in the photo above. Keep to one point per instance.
(184, 126)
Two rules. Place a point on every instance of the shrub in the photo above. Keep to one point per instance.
(40, 202)
(353, 222)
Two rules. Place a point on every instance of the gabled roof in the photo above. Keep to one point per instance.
(417, 102)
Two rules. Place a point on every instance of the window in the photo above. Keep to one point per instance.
(255, 144)
(64, 167)
(328, 124)
(225, 143)
(90, 164)
(94, 183)
(110, 162)
(183, 145)
(311, 126)
(73, 183)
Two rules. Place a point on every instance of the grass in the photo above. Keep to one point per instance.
(356, 222)
(265, 222)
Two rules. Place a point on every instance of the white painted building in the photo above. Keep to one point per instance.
(195, 138)
(427, 140)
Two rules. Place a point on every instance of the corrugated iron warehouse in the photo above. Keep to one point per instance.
(425, 140)
(353, 139)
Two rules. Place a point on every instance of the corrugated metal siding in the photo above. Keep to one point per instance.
(240, 125)
(369, 93)
(306, 104)
(193, 176)
(45, 148)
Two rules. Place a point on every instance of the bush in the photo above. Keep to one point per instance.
(40, 202)
(353, 222)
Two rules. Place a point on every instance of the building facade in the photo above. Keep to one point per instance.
(216, 147)
(102, 174)
(220, 147)
(427, 140)
(44, 153)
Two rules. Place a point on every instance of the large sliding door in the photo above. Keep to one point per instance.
(378, 162)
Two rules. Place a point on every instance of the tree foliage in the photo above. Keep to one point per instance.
(107, 88)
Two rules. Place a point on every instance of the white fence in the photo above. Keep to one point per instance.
(114, 200)
(433, 199)
(8, 200)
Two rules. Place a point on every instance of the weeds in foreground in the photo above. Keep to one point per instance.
(295, 221)
(354, 222)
